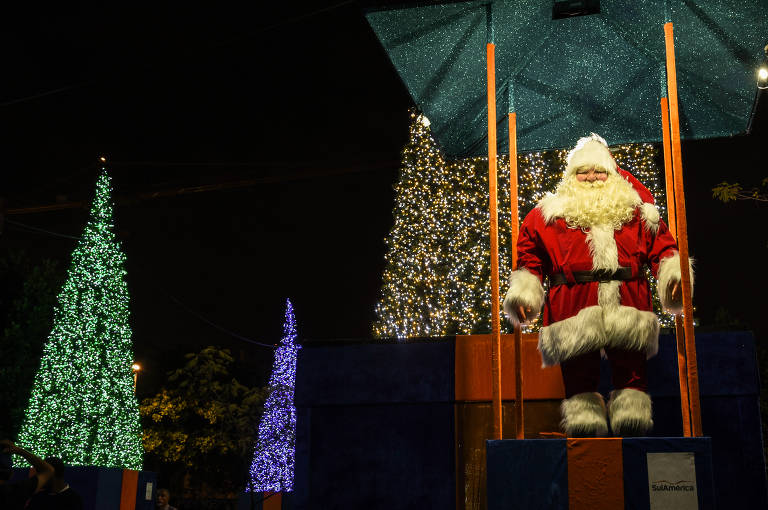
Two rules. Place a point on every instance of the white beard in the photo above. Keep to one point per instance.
(609, 203)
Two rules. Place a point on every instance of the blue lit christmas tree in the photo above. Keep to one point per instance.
(82, 407)
(273, 460)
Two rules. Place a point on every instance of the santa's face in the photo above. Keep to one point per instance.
(591, 174)
(591, 196)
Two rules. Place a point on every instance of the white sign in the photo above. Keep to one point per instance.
(672, 481)
(148, 495)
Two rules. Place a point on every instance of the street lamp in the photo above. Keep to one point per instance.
(136, 368)
(762, 84)
(762, 78)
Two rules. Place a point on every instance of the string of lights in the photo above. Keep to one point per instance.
(436, 279)
(216, 326)
(82, 407)
(29, 228)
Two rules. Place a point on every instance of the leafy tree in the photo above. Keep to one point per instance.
(200, 425)
(27, 296)
(727, 192)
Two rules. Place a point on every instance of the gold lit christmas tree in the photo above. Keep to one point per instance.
(437, 275)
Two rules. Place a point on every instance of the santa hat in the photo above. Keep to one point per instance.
(591, 150)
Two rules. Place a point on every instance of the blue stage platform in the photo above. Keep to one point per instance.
(598, 474)
(390, 425)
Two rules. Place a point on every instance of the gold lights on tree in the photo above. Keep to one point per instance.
(436, 280)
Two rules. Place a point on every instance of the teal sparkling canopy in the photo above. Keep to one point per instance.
(564, 78)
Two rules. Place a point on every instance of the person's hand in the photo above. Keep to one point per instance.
(7, 446)
(677, 292)
(523, 313)
(44, 471)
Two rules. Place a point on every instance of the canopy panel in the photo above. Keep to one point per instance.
(567, 77)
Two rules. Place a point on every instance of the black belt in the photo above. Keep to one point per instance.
(621, 274)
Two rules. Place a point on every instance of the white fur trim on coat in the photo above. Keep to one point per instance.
(597, 327)
(650, 215)
(525, 290)
(551, 207)
(630, 412)
(591, 150)
(584, 415)
(602, 248)
(669, 272)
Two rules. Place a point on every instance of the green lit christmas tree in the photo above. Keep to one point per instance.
(436, 279)
(83, 408)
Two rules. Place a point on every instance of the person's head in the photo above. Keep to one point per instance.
(57, 480)
(163, 496)
(592, 192)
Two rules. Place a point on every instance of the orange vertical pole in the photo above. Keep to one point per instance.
(128, 489)
(492, 184)
(515, 227)
(682, 372)
(669, 178)
(682, 236)
(515, 224)
(272, 501)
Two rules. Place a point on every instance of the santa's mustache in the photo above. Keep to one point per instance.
(596, 184)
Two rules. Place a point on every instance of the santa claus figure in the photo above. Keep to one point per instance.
(592, 239)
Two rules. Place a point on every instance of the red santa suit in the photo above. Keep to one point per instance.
(606, 232)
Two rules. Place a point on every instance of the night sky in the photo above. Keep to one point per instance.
(305, 106)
